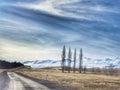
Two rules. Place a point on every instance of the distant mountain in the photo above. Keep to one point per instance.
(88, 62)
(42, 63)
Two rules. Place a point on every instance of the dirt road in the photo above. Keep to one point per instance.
(18, 82)
(4, 81)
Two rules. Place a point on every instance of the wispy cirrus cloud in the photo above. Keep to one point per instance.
(32, 25)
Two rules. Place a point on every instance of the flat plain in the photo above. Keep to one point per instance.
(75, 81)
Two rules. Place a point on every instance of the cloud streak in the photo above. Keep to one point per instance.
(49, 24)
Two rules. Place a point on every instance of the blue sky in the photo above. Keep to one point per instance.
(37, 29)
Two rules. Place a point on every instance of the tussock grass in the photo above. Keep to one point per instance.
(75, 80)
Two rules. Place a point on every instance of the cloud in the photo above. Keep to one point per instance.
(70, 8)
(28, 27)
(12, 50)
(46, 6)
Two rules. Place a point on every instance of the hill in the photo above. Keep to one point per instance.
(8, 65)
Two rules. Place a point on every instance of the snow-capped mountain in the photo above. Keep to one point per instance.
(42, 63)
(88, 62)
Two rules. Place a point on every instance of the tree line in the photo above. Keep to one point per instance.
(67, 66)
(8, 65)
(66, 61)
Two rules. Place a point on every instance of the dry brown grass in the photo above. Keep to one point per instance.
(75, 80)
(1, 70)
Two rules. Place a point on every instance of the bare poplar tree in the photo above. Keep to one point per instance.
(63, 58)
(69, 60)
(74, 66)
(80, 62)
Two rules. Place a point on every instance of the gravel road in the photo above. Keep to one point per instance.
(18, 82)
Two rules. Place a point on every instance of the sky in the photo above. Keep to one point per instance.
(38, 29)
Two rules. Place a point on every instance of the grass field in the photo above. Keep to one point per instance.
(76, 81)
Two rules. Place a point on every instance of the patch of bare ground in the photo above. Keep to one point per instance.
(75, 80)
